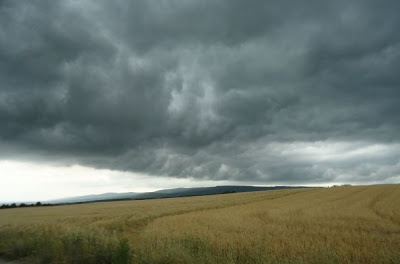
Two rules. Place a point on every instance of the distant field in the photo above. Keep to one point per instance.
(320, 225)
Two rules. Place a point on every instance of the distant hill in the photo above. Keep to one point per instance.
(167, 193)
(96, 197)
(184, 192)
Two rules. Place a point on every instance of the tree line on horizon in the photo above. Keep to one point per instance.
(14, 205)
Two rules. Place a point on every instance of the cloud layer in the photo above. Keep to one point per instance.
(222, 90)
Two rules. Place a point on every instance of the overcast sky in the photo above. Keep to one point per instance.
(138, 95)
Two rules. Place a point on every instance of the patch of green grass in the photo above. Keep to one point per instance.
(52, 245)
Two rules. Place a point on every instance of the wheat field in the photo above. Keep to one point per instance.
(358, 224)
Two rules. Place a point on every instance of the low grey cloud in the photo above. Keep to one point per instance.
(304, 92)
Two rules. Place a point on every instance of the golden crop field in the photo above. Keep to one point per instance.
(319, 225)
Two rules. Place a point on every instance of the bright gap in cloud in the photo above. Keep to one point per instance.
(23, 181)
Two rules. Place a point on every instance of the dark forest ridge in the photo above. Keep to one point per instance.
(168, 193)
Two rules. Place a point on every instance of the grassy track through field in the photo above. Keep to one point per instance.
(320, 225)
(337, 225)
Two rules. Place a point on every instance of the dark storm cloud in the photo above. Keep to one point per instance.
(239, 90)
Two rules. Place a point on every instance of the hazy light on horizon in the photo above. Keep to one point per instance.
(25, 181)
